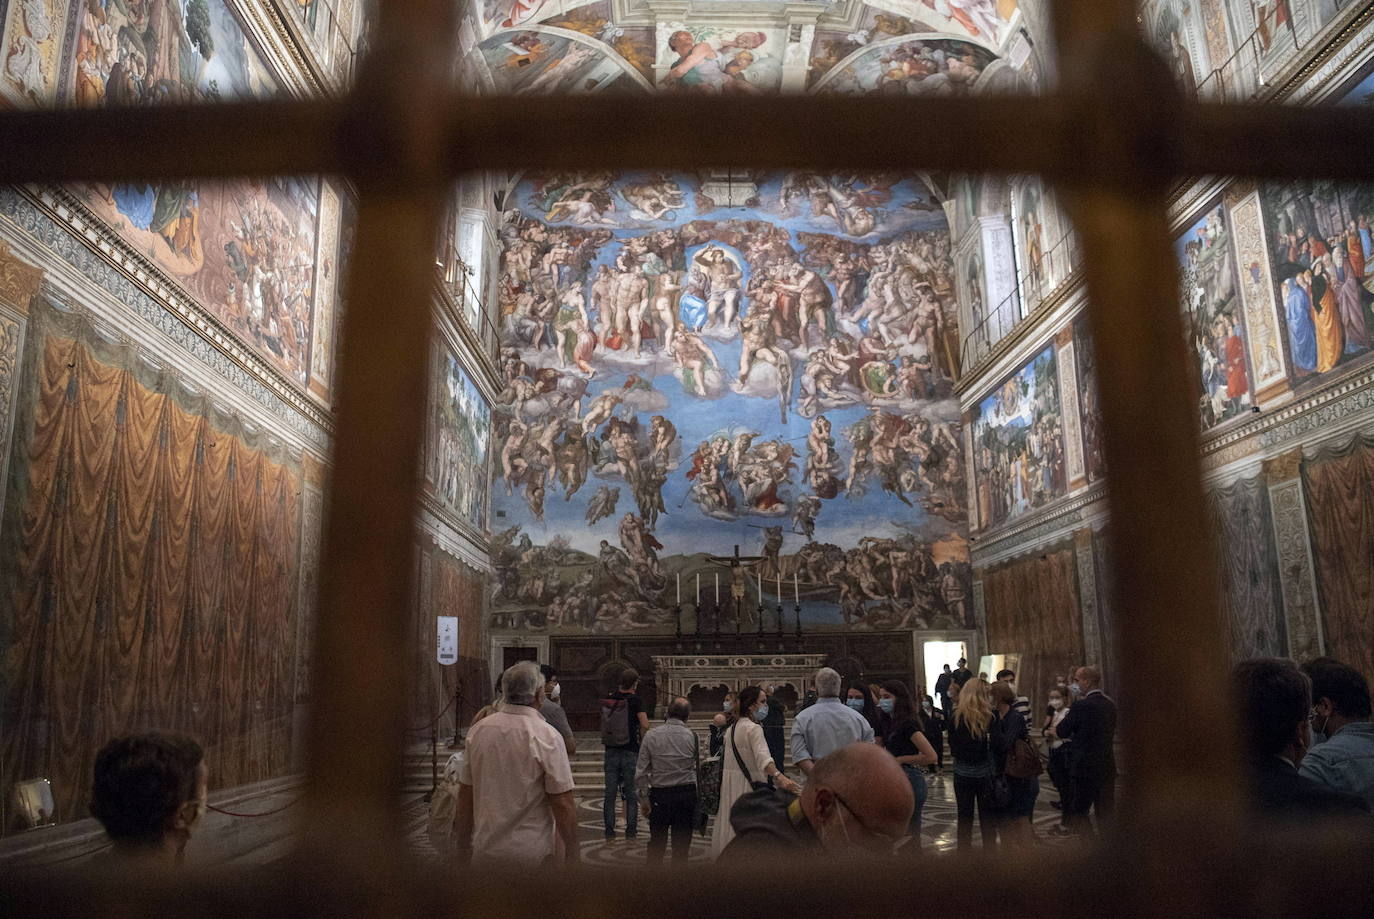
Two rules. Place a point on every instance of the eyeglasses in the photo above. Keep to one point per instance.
(885, 843)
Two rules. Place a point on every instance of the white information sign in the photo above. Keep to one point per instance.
(448, 639)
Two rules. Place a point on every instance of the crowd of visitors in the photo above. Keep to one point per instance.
(864, 751)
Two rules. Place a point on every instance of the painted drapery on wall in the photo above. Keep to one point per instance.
(1212, 317)
(1340, 492)
(1032, 610)
(1251, 598)
(155, 583)
(1018, 443)
(1322, 260)
(460, 433)
(683, 377)
(245, 250)
(448, 587)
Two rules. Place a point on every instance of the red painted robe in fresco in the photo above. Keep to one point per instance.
(1236, 383)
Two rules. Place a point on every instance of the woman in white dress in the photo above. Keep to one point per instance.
(745, 735)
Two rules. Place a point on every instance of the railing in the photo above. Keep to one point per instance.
(458, 282)
(1056, 265)
(1242, 76)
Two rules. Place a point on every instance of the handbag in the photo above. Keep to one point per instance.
(709, 773)
(757, 786)
(1023, 762)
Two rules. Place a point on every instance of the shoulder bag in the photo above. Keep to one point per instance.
(757, 786)
(997, 796)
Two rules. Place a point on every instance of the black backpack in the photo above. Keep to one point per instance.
(615, 722)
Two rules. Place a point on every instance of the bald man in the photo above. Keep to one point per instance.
(855, 798)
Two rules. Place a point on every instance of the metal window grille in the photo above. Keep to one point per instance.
(1112, 137)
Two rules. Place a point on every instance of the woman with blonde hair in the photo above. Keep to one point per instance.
(971, 732)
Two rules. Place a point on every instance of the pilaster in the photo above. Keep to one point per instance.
(1297, 576)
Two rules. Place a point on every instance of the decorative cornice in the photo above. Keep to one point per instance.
(1029, 530)
(477, 360)
(74, 217)
(35, 228)
(286, 47)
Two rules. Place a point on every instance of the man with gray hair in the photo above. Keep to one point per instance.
(515, 791)
(827, 726)
(666, 782)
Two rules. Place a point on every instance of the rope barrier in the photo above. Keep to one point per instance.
(220, 810)
(424, 731)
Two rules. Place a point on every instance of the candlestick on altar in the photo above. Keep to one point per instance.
(796, 591)
(678, 612)
(715, 615)
(797, 608)
(679, 588)
(779, 619)
(717, 589)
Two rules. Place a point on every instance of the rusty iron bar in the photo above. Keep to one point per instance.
(821, 132)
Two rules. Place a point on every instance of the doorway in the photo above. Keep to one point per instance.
(512, 655)
(934, 656)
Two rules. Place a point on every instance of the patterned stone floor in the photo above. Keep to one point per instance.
(937, 834)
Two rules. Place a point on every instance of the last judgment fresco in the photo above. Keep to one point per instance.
(698, 362)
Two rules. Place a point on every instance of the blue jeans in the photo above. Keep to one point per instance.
(620, 775)
(920, 789)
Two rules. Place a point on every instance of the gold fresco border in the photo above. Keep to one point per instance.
(106, 244)
(268, 15)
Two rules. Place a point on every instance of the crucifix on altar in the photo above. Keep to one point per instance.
(738, 565)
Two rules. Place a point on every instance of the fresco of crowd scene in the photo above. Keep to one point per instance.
(1018, 443)
(767, 373)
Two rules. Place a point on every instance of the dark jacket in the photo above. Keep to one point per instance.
(1278, 791)
(1091, 723)
(765, 821)
(971, 752)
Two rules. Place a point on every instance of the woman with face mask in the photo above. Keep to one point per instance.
(744, 762)
(719, 722)
(906, 740)
(857, 698)
(1059, 753)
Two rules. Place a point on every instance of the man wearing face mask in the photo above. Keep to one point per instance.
(149, 794)
(552, 710)
(828, 725)
(1275, 698)
(1091, 724)
(1344, 759)
(857, 799)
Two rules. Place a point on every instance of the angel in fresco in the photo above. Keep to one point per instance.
(655, 199)
(978, 16)
(602, 504)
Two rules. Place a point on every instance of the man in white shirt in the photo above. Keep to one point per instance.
(829, 725)
(515, 798)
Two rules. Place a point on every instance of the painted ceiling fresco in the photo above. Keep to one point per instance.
(913, 46)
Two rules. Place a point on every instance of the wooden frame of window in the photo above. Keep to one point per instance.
(1112, 137)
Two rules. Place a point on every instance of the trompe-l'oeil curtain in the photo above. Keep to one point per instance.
(1032, 608)
(156, 578)
(449, 587)
(1247, 563)
(1340, 503)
